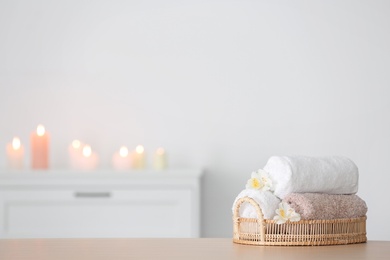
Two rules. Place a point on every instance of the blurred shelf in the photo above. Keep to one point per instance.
(100, 204)
(103, 176)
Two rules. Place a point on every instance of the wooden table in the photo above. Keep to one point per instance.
(187, 248)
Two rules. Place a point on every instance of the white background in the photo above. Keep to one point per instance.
(222, 85)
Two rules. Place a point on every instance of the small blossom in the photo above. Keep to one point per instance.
(254, 184)
(259, 181)
(285, 213)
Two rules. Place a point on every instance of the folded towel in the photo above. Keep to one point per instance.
(332, 175)
(267, 201)
(326, 206)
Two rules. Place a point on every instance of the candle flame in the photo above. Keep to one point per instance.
(16, 143)
(139, 149)
(123, 151)
(40, 130)
(160, 151)
(87, 151)
(76, 144)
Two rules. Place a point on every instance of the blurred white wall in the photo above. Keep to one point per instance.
(221, 85)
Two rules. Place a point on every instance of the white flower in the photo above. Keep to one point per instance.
(254, 184)
(285, 213)
(259, 181)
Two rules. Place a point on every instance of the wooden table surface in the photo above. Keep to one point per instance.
(187, 248)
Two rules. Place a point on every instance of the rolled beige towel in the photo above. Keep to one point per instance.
(326, 206)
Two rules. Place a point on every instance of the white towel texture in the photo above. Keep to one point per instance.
(300, 174)
(267, 201)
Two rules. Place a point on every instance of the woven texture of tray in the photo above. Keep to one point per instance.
(260, 231)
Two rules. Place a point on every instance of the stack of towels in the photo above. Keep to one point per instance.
(291, 188)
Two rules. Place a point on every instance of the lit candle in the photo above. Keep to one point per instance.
(89, 159)
(121, 159)
(15, 153)
(39, 148)
(75, 153)
(138, 158)
(160, 159)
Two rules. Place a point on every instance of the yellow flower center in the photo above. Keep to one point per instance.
(256, 183)
(282, 213)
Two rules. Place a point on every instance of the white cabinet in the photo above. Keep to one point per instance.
(63, 204)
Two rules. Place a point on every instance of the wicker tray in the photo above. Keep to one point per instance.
(260, 231)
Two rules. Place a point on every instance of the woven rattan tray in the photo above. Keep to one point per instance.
(260, 231)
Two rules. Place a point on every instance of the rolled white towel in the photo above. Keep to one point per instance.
(267, 201)
(300, 174)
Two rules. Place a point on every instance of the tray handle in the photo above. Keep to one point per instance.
(260, 216)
